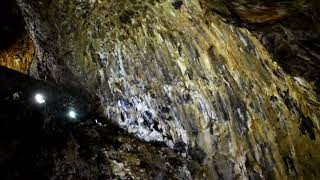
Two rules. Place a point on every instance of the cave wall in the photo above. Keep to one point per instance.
(19, 55)
(168, 72)
(39, 141)
(290, 30)
(16, 48)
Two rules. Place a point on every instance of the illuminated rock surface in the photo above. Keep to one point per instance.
(38, 141)
(290, 30)
(16, 48)
(19, 56)
(174, 72)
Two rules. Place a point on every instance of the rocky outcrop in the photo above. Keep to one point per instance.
(169, 73)
(39, 141)
(16, 48)
(19, 55)
(290, 30)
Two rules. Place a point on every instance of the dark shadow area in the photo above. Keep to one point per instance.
(41, 140)
(295, 45)
(12, 24)
(28, 129)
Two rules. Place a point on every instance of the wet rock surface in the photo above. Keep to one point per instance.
(88, 147)
(204, 82)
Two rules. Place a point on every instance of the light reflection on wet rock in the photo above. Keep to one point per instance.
(168, 74)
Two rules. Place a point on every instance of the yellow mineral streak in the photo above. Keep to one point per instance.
(244, 111)
(19, 56)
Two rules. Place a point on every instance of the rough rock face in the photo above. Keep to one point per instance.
(37, 141)
(16, 48)
(168, 72)
(290, 30)
(19, 56)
